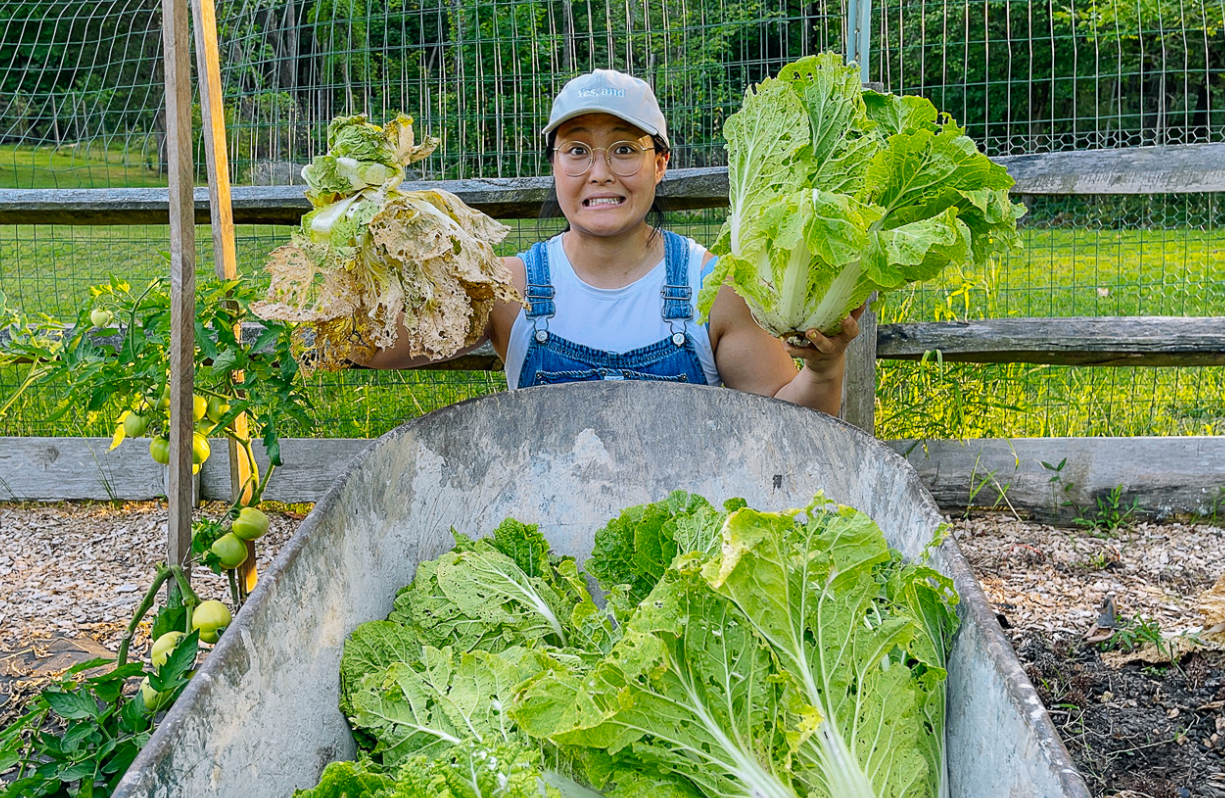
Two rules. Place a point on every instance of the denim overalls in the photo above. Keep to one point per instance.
(551, 359)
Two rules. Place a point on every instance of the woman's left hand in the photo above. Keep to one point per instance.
(824, 354)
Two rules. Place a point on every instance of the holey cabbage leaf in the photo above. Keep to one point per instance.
(371, 262)
(837, 192)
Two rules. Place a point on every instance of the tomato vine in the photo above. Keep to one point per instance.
(81, 734)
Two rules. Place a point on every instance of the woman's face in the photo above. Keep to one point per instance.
(600, 201)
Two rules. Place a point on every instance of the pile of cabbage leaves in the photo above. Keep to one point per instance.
(371, 262)
(739, 653)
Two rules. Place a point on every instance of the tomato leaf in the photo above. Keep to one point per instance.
(169, 619)
(90, 664)
(70, 705)
(76, 733)
(226, 361)
(272, 446)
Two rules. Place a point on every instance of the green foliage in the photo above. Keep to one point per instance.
(837, 193)
(125, 367)
(87, 93)
(479, 596)
(81, 734)
(1111, 513)
(1106, 73)
(1134, 633)
(635, 548)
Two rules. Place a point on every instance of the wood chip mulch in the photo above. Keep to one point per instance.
(1055, 581)
(77, 571)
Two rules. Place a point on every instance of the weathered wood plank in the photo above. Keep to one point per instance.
(176, 37)
(502, 198)
(58, 469)
(310, 467)
(1165, 477)
(1181, 169)
(1107, 341)
(859, 384)
(1080, 341)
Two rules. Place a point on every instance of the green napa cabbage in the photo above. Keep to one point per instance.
(837, 192)
(740, 653)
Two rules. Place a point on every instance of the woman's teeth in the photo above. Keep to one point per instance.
(602, 201)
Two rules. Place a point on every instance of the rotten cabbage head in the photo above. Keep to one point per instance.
(371, 262)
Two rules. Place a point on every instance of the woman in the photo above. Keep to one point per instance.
(613, 297)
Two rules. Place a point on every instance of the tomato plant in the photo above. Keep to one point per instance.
(116, 380)
(134, 425)
(162, 647)
(113, 363)
(100, 317)
(217, 407)
(159, 450)
(79, 735)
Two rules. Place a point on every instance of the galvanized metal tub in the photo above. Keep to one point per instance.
(261, 719)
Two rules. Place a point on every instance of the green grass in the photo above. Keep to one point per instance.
(84, 165)
(1061, 272)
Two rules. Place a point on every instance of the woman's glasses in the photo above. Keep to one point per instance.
(624, 158)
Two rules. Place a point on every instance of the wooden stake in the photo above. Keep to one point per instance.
(225, 259)
(176, 33)
(859, 385)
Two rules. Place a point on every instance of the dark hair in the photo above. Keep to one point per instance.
(551, 209)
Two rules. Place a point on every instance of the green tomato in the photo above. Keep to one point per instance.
(251, 524)
(159, 450)
(217, 407)
(230, 549)
(135, 425)
(199, 448)
(199, 407)
(211, 618)
(100, 317)
(163, 401)
(162, 648)
(153, 699)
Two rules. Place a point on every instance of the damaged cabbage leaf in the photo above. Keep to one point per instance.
(369, 256)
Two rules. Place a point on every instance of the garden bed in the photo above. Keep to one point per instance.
(71, 574)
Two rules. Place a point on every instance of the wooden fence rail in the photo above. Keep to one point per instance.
(1160, 477)
(1193, 168)
(1074, 341)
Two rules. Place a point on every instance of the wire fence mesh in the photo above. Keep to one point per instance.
(81, 106)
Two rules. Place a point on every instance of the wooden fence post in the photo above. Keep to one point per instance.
(221, 214)
(859, 385)
(175, 33)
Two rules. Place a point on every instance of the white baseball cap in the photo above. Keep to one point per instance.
(610, 92)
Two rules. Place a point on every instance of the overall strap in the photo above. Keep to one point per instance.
(676, 292)
(539, 284)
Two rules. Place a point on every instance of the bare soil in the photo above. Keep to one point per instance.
(71, 575)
